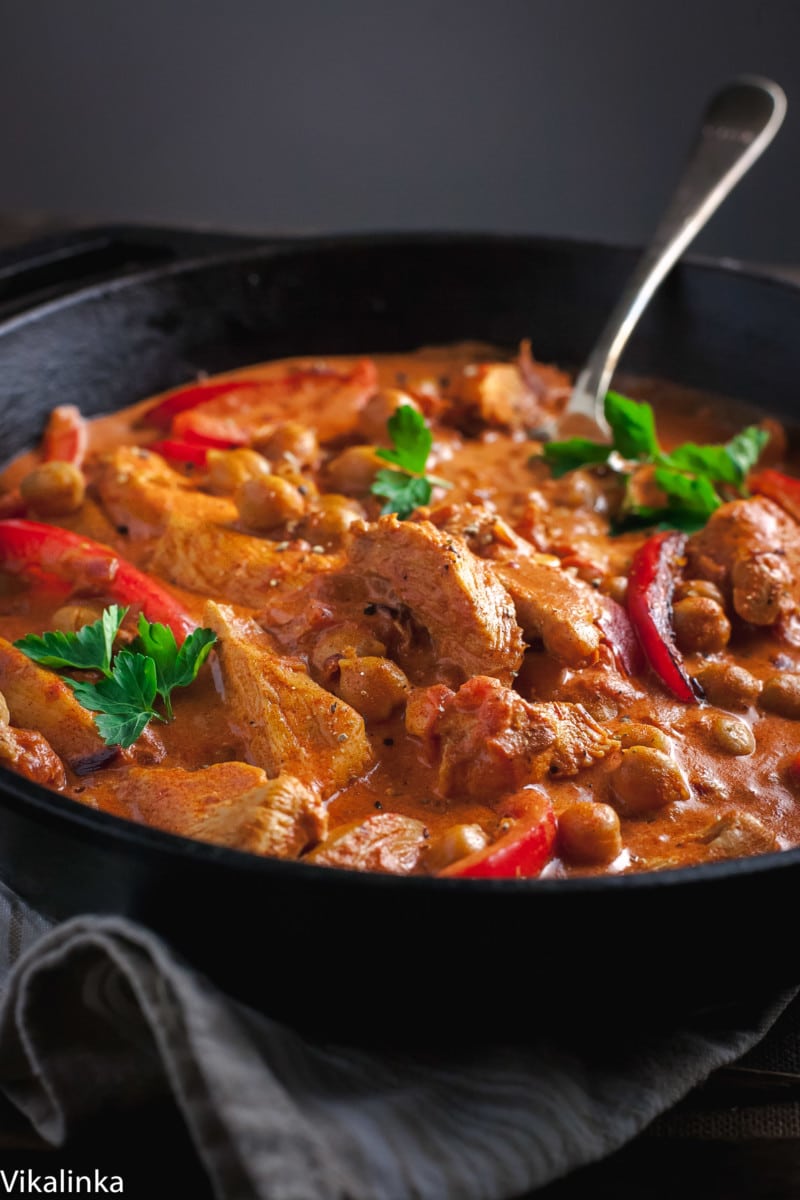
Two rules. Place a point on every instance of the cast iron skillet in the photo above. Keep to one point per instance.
(344, 952)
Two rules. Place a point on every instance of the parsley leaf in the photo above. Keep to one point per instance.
(123, 700)
(687, 475)
(633, 425)
(406, 486)
(575, 452)
(88, 649)
(174, 667)
(123, 703)
(403, 493)
(745, 450)
(694, 493)
(412, 440)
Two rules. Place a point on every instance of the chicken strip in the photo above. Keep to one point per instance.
(39, 699)
(509, 395)
(28, 753)
(140, 491)
(289, 723)
(447, 590)
(551, 605)
(229, 804)
(388, 842)
(751, 550)
(212, 560)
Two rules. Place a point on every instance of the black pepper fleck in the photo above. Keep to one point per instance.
(388, 741)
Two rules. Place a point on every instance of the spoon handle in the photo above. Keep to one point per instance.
(738, 125)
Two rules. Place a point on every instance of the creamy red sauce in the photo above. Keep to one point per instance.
(566, 524)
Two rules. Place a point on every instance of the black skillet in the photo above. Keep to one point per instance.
(101, 319)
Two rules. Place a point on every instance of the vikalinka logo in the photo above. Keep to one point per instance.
(62, 1183)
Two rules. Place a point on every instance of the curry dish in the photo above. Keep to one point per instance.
(429, 647)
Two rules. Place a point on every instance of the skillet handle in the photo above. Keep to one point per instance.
(55, 265)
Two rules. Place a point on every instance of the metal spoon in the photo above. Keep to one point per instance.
(738, 125)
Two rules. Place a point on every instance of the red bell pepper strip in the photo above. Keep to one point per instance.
(619, 634)
(319, 395)
(35, 548)
(162, 414)
(211, 441)
(783, 489)
(66, 438)
(651, 584)
(206, 429)
(181, 452)
(522, 852)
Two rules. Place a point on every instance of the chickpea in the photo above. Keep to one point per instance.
(580, 489)
(54, 489)
(331, 518)
(291, 442)
(374, 687)
(589, 832)
(5, 715)
(700, 625)
(456, 842)
(304, 483)
(345, 640)
(729, 686)
(781, 695)
(353, 471)
(71, 617)
(267, 502)
(699, 587)
(632, 733)
(374, 416)
(228, 469)
(646, 780)
(616, 586)
(732, 735)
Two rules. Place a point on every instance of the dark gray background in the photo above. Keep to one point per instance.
(556, 116)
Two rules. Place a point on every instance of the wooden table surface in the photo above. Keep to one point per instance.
(148, 1146)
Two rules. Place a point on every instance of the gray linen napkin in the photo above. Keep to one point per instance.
(274, 1115)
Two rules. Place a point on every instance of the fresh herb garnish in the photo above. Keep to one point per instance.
(124, 699)
(689, 476)
(123, 703)
(174, 667)
(406, 486)
(88, 649)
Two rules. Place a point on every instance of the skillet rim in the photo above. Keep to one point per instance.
(102, 826)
